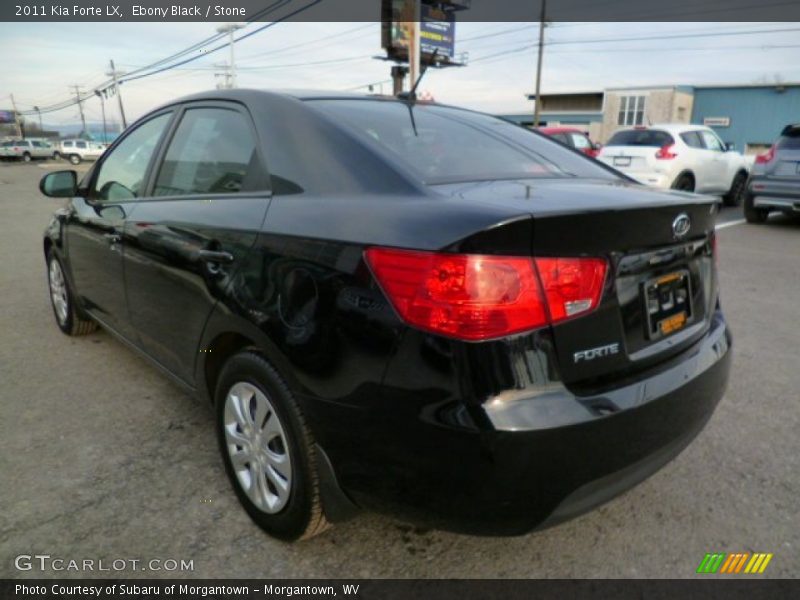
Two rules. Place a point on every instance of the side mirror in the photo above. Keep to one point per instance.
(59, 184)
(730, 146)
(597, 146)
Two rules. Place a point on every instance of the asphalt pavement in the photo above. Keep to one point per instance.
(101, 457)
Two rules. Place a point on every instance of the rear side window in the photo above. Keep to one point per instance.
(213, 151)
(641, 137)
(67, 144)
(692, 139)
(790, 139)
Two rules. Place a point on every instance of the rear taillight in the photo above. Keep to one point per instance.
(763, 159)
(572, 286)
(666, 153)
(477, 297)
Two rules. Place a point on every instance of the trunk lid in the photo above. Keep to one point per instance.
(660, 287)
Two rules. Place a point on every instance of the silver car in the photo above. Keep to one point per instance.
(26, 150)
(774, 183)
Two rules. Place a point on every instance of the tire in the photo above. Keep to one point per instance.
(56, 156)
(74, 159)
(26, 157)
(737, 192)
(684, 183)
(753, 214)
(67, 316)
(283, 443)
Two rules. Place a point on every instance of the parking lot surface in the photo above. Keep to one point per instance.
(103, 458)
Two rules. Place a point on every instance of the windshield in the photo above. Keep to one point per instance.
(641, 137)
(444, 144)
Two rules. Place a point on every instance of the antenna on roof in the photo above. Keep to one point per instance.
(411, 95)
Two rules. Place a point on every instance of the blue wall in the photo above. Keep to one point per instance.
(757, 114)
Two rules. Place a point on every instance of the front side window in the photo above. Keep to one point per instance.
(67, 144)
(122, 174)
(580, 141)
(80, 144)
(711, 141)
(213, 152)
(631, 110)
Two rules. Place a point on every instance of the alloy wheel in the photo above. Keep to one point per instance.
(58, 291)
(257, 446)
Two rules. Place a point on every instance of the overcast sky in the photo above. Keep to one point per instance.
(40, 60)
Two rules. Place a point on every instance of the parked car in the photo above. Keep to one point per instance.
(408, 308)
(690, 158)
(574, 138)
(76, 151)
(26, 150)
(775, 178)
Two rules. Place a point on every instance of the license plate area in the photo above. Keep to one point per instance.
(622, 161)
(668, 304)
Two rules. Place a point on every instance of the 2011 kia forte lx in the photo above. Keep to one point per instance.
(398, 306)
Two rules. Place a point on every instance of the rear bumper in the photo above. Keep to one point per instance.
(533, 461)
(775, 193)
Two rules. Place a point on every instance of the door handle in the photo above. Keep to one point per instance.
(113, 238)
(214, 256)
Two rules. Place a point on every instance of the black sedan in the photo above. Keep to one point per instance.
(774, 183)
(398, 306)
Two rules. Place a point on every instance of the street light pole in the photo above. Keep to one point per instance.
(538, 104)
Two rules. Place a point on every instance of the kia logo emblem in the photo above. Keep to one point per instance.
(681, 225)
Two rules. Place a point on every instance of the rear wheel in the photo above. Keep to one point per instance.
(738, 189)
(75, 159)
(67, 317)
(684, 183)
(26, 157)
(752, 213)
(267, 449)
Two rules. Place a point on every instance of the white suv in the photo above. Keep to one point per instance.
(684, 157)
(77, 150)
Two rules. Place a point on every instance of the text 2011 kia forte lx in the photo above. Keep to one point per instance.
(405, 307)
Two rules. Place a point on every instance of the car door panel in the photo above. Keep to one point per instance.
(95, 224)
(185, 243)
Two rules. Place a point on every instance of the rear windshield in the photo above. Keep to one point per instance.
(442, 144)
(641, 137)
(790, 139)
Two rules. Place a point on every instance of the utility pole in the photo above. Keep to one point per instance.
(113, 73)
(39, 112)
(538, 105)
(16, 116)
(230, 76)
(414, 46)
(225, 73)
(99, 94)
(80, 106)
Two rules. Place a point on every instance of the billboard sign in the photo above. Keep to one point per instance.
(437, 30)
(7, 116)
